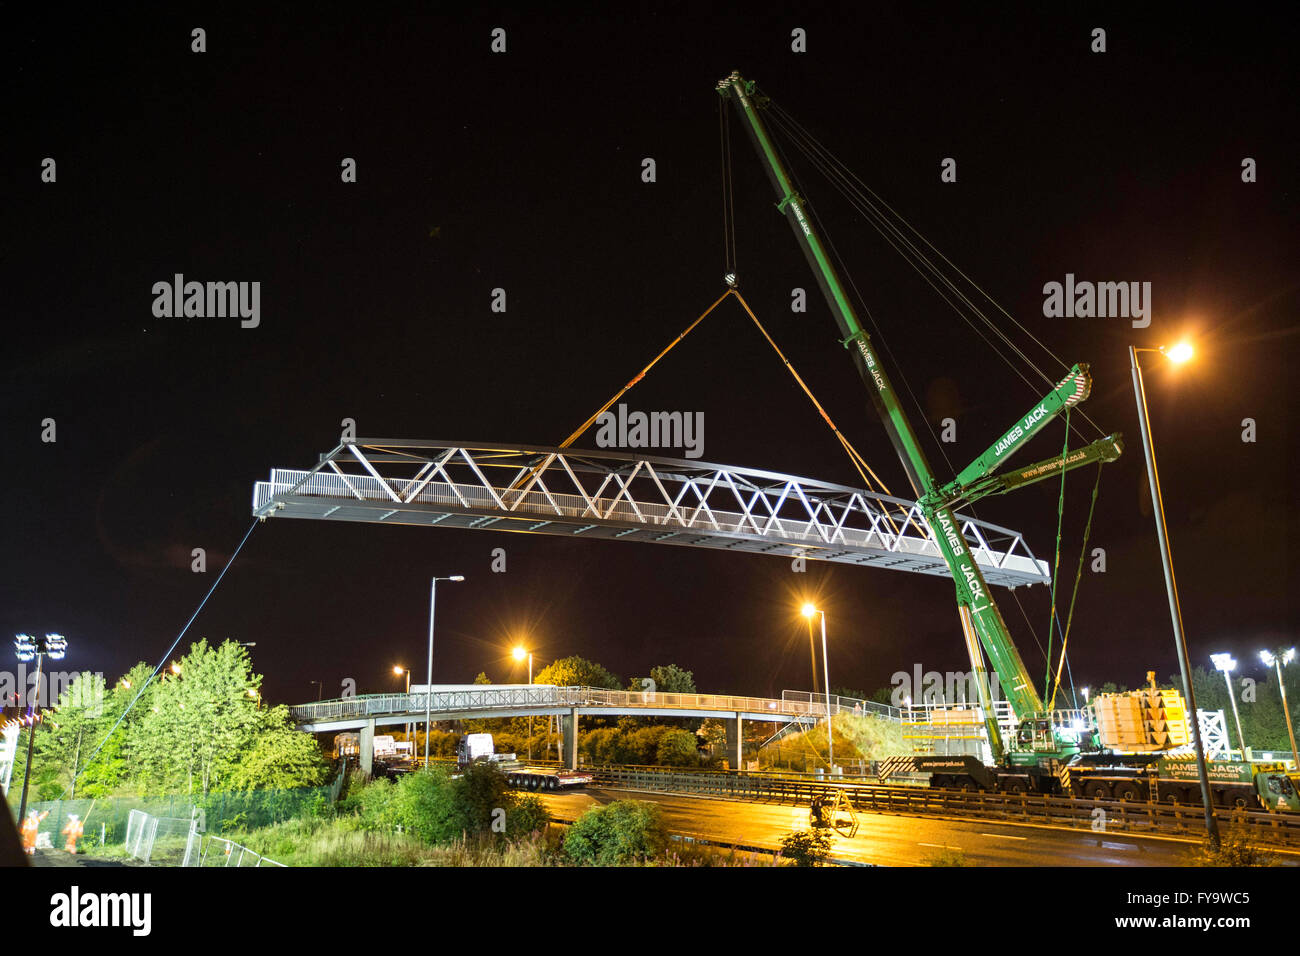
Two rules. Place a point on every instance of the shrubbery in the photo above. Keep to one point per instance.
(806, 847)
(437, 808)
(617, 834)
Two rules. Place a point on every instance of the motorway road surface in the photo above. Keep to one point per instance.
(891, 839)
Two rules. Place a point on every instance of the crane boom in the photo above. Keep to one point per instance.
(982, 624)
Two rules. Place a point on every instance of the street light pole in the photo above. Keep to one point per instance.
(1227, 663)
(54, 645)
(1175, 611)
(428, 670)
(809, 611)
(519, 653)
(398, 669)
(1277, 659)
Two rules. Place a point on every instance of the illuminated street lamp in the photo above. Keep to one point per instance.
(808, 611)
(1277, 659)
(519, 654)
(1227, 663)
(1177, 354)
(428, 670)
(1085, 697)
(26, 648)
(398, 671)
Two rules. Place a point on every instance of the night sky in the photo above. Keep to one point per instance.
(523, 171)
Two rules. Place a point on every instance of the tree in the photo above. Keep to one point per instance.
(69, 733)
(668, 679)
(576, 672)
(281, 758)
(203, 718)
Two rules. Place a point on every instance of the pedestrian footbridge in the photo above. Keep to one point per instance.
(570, 704)
(612, 496)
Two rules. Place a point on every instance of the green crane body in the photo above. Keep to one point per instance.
(981, 621)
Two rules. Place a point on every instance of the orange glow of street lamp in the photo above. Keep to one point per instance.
(519, 653)
(1179, 353)
(808, 610)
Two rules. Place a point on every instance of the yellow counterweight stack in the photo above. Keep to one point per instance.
(1141, 721)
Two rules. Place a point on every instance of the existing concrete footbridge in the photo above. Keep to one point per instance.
(479, 701)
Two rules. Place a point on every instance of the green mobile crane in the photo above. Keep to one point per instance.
(1043, 741)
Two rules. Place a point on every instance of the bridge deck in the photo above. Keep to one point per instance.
(612, 496)
(489, 701)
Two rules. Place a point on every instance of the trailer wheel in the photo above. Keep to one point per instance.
(1126, 790)
(1013, 785)
(940, 781)
(1096, 790)
(552, 783)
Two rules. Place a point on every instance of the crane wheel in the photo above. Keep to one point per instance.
(1013, 785)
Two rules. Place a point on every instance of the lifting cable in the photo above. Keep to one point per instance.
(641, 374)
(1056, 566)
(1078, 576)
(856, 192)
(859, 462)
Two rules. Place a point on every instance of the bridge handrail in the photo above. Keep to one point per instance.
(487, 697)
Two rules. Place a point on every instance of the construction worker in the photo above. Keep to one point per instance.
(30, 827)
(73, 832)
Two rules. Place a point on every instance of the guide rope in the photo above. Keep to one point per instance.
(140, 693)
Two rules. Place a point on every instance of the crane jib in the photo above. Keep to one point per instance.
(978, 611)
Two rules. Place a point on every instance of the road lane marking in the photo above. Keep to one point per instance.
(940, 846)
(1003, 836)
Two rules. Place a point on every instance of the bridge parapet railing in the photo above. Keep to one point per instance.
(844, 705)
(598, 697)
(484, 698)
(546, 695)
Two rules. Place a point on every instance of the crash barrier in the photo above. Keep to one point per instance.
(1138, 818)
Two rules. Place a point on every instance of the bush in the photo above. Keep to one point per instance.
(528, 816)
(617, 834)
(677, 748)
(806, 847)
(424, 805)
(1233, 850)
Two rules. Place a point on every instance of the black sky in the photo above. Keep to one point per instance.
(522, 171)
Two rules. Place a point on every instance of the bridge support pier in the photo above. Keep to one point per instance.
(367, 747)
(569, 739)
(735, 742)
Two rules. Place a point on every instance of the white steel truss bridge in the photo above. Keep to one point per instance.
(614, 496)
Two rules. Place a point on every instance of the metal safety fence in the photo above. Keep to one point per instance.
(1137, 818)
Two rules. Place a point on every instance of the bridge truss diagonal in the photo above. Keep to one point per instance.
(611, 495)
